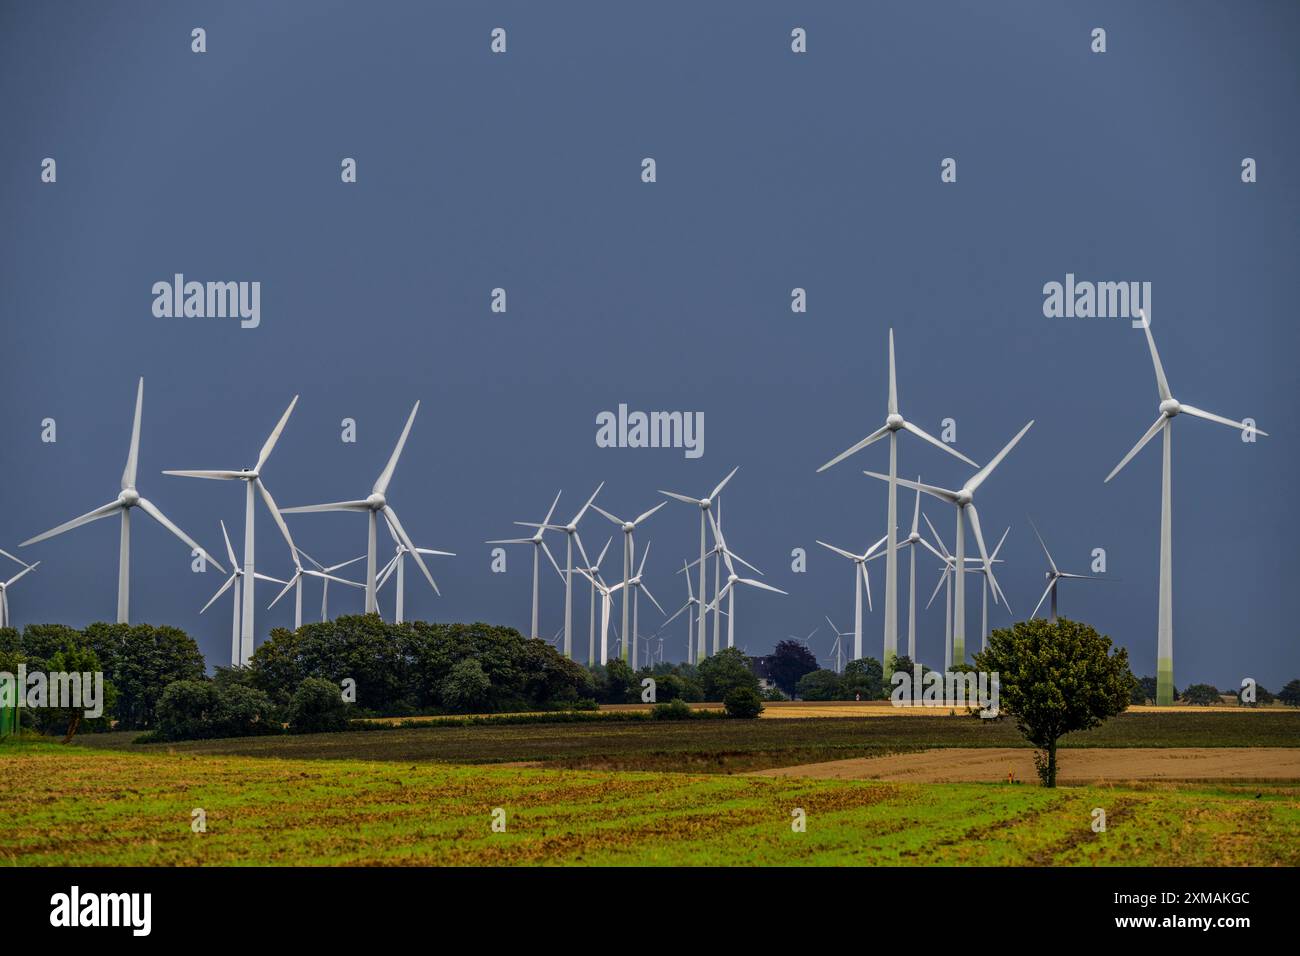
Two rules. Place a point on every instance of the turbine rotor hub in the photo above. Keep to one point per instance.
(1170, 407)
(628, 527)
(964, 498)
(376, 502)
(706, 504)
(894, 422)
(129, 497)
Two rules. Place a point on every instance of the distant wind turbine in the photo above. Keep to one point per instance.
(373, 506)
(859, 576)
(729, 589)
(1169, 409)
(911, 542)
(629, 555)
(397, 566)
(571, 536)
(6, 585)
(1054, 576)
(236, 580)
(126, 500)
(539, 544)
(325, 583)
(894, 422)
(964, 501)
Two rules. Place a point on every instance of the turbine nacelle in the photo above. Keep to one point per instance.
(376, 502)
(129, 498)
(628, 527)
(894, 422)
(1170, 407)
(963, 498)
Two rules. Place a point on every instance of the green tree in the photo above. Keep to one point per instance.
(820, 685)
(467, 687)
(140, 660)
(742, 702)
(1056, 678)
(864, 677)
(1202, 695)
(1290, 694)
(317, 707)
(1262, 696)
(789, 662)
(725, 671)
(76, 658)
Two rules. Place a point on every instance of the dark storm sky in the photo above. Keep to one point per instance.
(774, 171)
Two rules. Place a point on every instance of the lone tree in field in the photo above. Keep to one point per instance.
(1055, 678)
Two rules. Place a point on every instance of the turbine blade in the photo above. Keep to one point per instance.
(330, 506)
(978, 478)
(220, 591)
(270, 580)
(646, 590)
(12, 558)
(641, 517)
(916, 512)
(947, 555)
(1150, 433)
(1211, 417)
(874, 437)
(600, 510)
(103, 511)
(1048, 590)
(279, 519)
(867, 579)
(759, 584)
(723, 483)
(275, 436)
(437, 554)
(929, 547)
(386, 571)
(551, 512)
(133, 454)
(943, 576)
(644, 554)
(582, 552)
(733, 555)
(942, 494)
(583, 510)
(385, 476)
(149, 508)
(287, 585)
(919, 433)
(893, 379)
(510, 541)
(686, 498)
(1162, 384)
(555, 564)
(230, 551)
(601, 560)
(677, 613)
(217, 474)
(19, 576)
(344, 564)
(994, 555)
(1050, 563)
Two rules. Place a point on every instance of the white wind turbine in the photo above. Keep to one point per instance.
(691, 601)
(729, 589)
(571, 535)
(6, 585)
(397, 566)
(1169, 409)
(538, 545)
(295, 582)
(945, 581)
(704, 504)
(236, 580)
(629, 556)
(964, 501)
(127, 499)
(894, 422)
(837, 649)
(373, 506)
(251, 477)
(859, 576)
(606, 598)
(592, 573)
(638, 585)
(325, 583)
(1054, 576)
(911, 542)
(716, 552)
(984, 600)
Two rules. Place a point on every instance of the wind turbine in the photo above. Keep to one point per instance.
(127, 499)
(964, 500)
(984, 590)
(398, 566)
(236, 580)
(913, 539)
(894, 422)
(296, 582)
(325, 583)
(1169, 409)
(717, 552)
(859, 575)
(1054, 576)
(251, 477)
(538, 545)
(606, 597)
(637, 585)
(373, 506)
(6, 585)
(691, 601)
(571, 535)
(593, 574)
(729, 589)
(837, 649)
(704, 505)
(629, 554)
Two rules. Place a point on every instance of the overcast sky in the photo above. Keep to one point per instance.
(775, 170)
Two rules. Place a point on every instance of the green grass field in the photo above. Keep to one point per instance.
(81, 806)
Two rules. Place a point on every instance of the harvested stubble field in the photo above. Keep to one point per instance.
(81, 806)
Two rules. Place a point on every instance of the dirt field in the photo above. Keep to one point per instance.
(1081, 766)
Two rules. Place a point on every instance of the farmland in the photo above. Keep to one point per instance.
(88, 806)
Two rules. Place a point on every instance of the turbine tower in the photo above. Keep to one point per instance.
(964, 501)
(325, 583)
(637, 585)
(629, 555)
(127, 499)
(704, 505)
(984, 591)
(592, 573)
(373, 506)
(251, 477)
(236, 580)
(538, 545)
(837, 648)
(571, 535)
(859, 576)
(894, 422)
(1169, 409)
(945, 581)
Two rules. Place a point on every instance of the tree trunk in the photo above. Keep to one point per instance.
(73, 724)
(1051, 765)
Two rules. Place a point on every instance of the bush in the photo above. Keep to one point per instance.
(1262, 696)
(742, 702)
(1202, 695)
(200, 709)
(725, 671)
(673, 710)
(1290, 694)
(467, 687)
(317, 707)
(820, 685)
